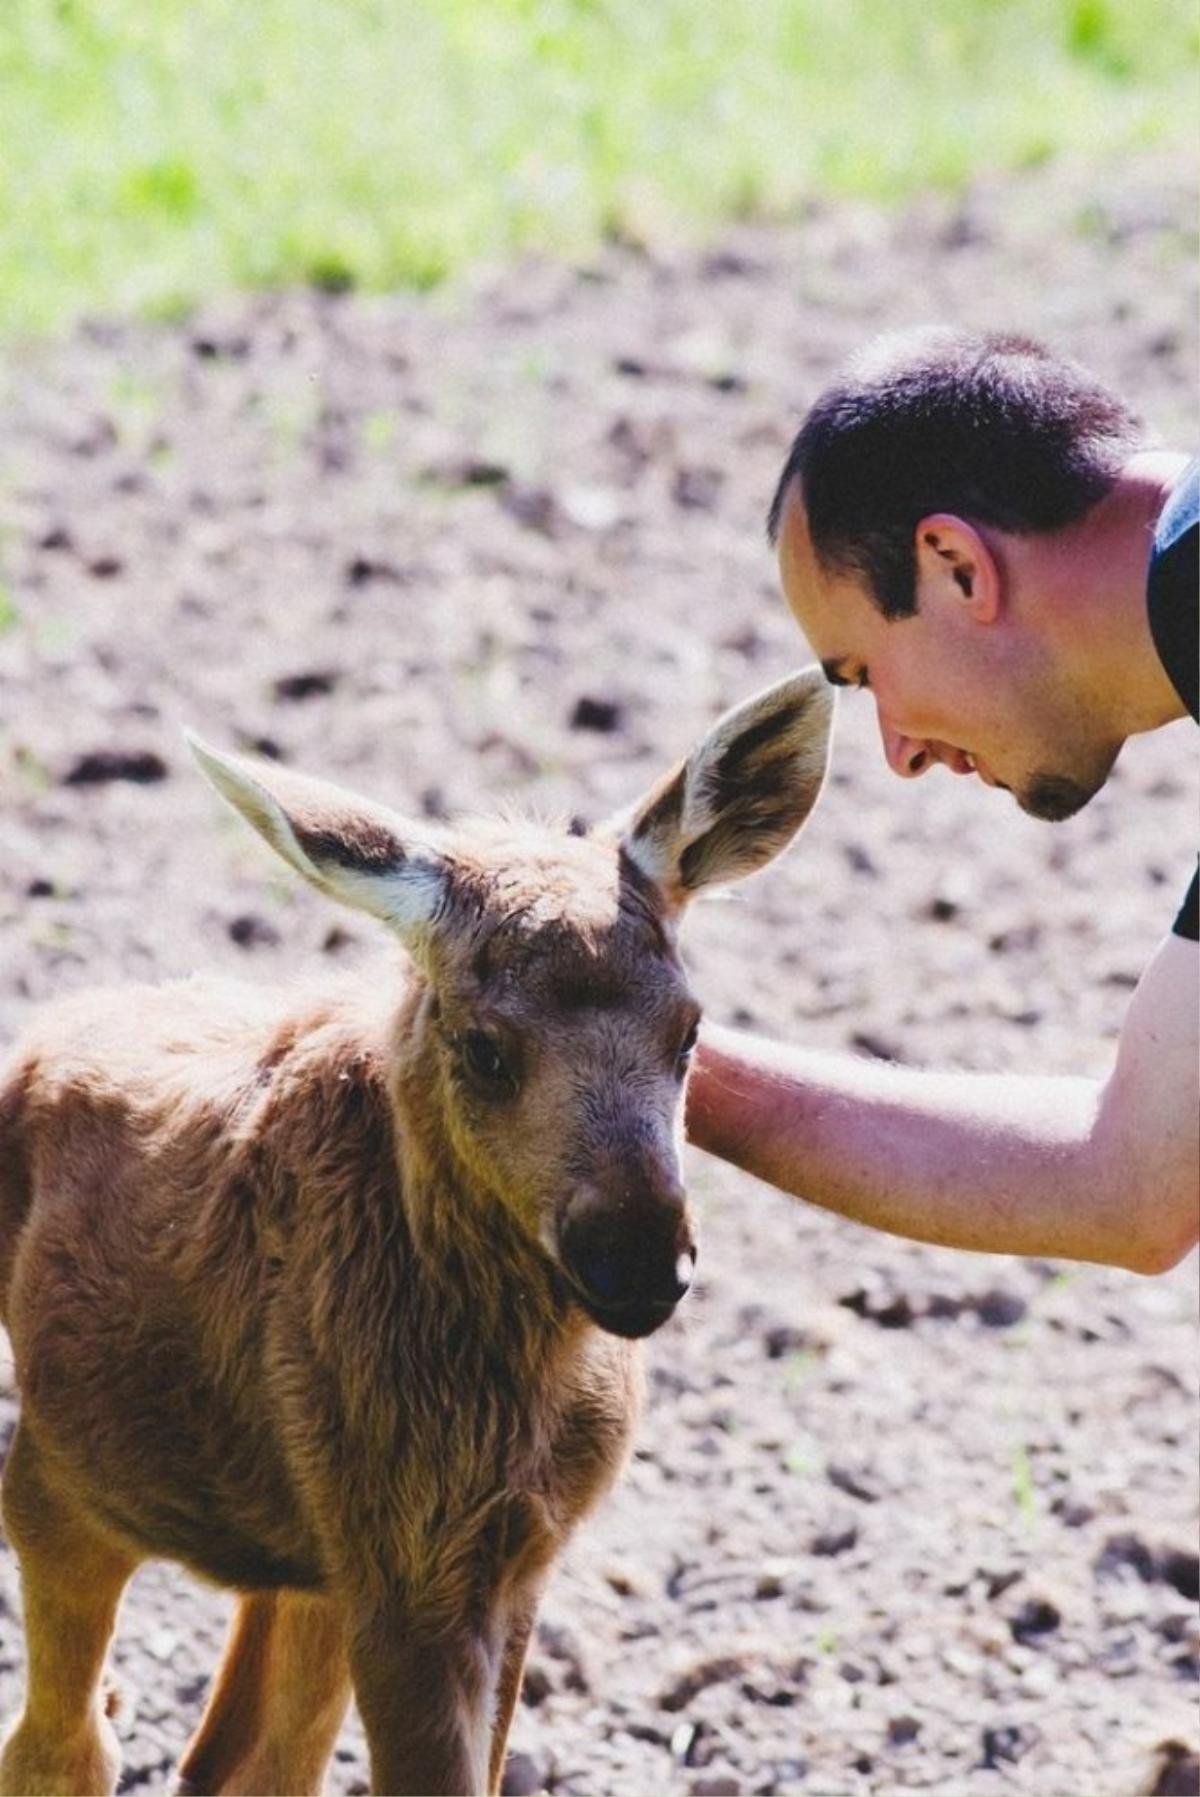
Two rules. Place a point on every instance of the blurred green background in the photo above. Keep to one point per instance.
(153, 151)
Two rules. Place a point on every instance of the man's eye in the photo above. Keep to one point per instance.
(484, 1062)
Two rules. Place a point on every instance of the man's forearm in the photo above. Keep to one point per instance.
(1000, 1164)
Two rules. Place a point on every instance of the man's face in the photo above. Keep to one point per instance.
(979, 697)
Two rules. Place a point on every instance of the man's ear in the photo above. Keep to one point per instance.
(350, 849)
(955, 563)
(740, 796)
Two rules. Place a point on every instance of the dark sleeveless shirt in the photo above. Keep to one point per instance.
(1173, 608)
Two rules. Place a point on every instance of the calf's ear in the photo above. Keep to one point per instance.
(740, 796)
(354, 851)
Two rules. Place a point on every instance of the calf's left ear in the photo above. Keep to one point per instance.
(741, 795)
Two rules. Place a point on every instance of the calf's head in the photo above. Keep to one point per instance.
(556, 1014)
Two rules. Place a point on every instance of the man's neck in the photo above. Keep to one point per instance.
(1093, 580)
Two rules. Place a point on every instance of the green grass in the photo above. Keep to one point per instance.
(153, 151)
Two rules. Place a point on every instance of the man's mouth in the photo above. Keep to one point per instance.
(966, 763)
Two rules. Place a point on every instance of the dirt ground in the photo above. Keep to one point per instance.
(898, 1519)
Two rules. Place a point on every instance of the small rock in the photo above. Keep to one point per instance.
(880, 1048)
(697, 1678)
(336, 939)
(683, 1739)
(999, 1308)
(266, 746)
(1179, 1567)
(537, 1685)
(851, 1482)
(903, 1730)
(362, 569)
(1039, 1681)
(1072, 1512)
(161, 1643)
(230, 346)
(618, 1580)
(724, 264)
(770, 1688)
(251, 931)
(1125, 1549)
(697, 489)
(860, 860)
(1004, 1745)
(831, 1542)
(100, 766)
(716, 1784)
(591, 508)
(601, 715)
(522, 1776)
(466, 471)
(534, 507)
(784, 1338)
(295, 687)
(558, 1643)
(1036, 1617)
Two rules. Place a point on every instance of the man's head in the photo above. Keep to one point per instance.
(924, 490)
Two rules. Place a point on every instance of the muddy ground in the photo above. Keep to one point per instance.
(898, 1519)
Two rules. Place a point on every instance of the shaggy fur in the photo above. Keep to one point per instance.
(304, 1299)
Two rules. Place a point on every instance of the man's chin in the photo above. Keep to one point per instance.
(1054, 798)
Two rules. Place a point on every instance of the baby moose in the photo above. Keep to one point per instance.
(334, 1297)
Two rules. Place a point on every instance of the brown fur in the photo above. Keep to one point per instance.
(294, 1301)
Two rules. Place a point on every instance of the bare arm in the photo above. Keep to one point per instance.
(1000, 1163)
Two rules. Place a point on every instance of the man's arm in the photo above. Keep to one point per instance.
(1001, 1163)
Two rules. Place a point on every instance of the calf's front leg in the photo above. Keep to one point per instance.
(71, 1581)
(425, 1697)
(277, 1702)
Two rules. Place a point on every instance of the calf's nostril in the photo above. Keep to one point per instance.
(685, 1271)
(603, 1276)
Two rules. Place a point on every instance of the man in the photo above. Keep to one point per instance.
(971, 530)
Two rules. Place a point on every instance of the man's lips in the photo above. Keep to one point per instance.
(961, 761)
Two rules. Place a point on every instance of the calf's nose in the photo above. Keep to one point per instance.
(627, 1250)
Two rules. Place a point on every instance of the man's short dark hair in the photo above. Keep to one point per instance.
(992, 427)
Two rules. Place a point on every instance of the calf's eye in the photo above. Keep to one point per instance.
(687, 1045)
(485, 1063)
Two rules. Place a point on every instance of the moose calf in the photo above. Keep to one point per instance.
(333, 1297)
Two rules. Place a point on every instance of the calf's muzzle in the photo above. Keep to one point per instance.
(629, 1253)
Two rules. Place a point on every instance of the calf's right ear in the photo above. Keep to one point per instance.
(354, 851)
(740, 796)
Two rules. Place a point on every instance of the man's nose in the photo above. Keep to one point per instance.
(907, 756)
